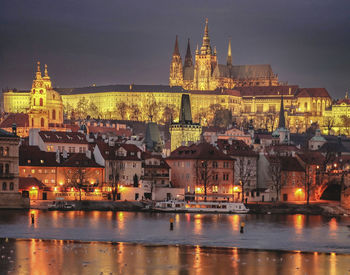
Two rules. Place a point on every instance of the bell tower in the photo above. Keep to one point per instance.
(38, 113)
(176, 73)
(205, 63)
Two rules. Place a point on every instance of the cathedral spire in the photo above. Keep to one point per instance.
(206, 49)
(282, 120)
(176, 48)
(188, 58)
(229, 55)
(38, 71)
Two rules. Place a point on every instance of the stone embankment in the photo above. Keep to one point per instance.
(288, 208)
(96, 205)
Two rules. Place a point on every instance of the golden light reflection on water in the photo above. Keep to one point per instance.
(121, 220)
(299, 223)
(70, 257)
(333, 224)
(197, 260)
(198, 224)
(235, 219)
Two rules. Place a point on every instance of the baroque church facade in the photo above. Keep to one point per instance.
(207, 74)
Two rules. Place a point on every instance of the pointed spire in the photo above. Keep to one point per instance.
(282, 120)
(188, 58)
(38, 71)
(176, 48)
(229, 55)
(206, 49)
(197, 49)
(185, 109)
(346, 95)
(214, 50)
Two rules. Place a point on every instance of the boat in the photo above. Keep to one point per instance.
(61, 205)
(201, 207)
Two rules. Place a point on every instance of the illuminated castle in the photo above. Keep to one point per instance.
(207, 74)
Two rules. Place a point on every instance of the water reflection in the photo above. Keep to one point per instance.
(68, 257)
(286, 232)
(299, 223)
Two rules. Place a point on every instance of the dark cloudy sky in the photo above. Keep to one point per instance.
(307, 42)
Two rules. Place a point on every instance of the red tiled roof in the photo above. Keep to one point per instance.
(312, 92)
(20, 119)
(236, 148)
(267, 90)
(109, 152)
(203, 151)
(312, 157)
(63, 137)
(291, 164)
(29, 182)
(33, 156)
(344, 100)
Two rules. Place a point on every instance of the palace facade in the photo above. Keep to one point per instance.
(248, 92)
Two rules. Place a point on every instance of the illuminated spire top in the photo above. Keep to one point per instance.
(229, 55)
(38, 72)
(176, 48)
(206, 49)
(188, 58)
(46, 75)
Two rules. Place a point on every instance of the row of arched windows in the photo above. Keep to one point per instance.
(4, 186)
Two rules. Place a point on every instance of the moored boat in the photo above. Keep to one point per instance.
(201, 207)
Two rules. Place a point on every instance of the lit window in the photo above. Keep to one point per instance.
(33, 171)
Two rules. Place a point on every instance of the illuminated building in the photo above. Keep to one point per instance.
(249, 92)
(198, 165)
(9, 159)
(46, 108)
(208, 74)
(337, 118)
(185, 131)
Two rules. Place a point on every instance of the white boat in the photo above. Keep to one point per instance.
(201, 207)
(61, 205)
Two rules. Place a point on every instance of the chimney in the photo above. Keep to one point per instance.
(14, 129)
(58, 157)
(64, 154)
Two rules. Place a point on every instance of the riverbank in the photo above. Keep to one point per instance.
(327, 209)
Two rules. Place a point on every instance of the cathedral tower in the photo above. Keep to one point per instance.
(206, 61)
(176, 74)
(188, 68)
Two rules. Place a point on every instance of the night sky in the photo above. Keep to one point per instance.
(102, 42)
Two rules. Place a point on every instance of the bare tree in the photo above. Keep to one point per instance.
(114, 179)
(345, 121)
(77, 177)
(245, 172)
(275, 169)
(204, 174)
(135, 112)
(122, 110)
(328, 123)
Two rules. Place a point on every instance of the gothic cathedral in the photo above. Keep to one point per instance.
(206, 74)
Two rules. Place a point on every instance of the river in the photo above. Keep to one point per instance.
(270, 243)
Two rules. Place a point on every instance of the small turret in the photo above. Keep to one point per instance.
(229, 54)
(176, 73)
(46, 74)
(282, 120)
(38, 71)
